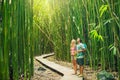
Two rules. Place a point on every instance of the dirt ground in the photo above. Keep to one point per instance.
(89, 74)
(43, 73)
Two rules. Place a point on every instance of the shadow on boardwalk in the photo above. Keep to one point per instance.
(62, 70)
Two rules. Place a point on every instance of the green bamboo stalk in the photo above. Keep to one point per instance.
(31, 39)
(14, 40)
(5, 27)
(78, 18)
(1, 43)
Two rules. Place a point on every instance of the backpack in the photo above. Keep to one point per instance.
(85, 46)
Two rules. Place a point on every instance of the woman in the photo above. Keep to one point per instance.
(73, 55)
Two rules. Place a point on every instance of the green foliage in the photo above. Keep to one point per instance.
(103, 75)
(96, 36)
(16, 39)
(95, 22)
(52, 27)
(102, 9)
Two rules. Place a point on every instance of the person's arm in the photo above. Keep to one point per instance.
(75, 50)
(83, 49)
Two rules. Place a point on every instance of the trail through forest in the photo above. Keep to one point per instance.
(43, 73)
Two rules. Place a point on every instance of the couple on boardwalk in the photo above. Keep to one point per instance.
(77, 55)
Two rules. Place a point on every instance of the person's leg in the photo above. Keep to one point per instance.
(75, 66)
(81, 70)
(72, 61)
(82, 66)
(78, 63)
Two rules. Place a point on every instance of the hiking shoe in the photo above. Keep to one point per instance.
(80, 75)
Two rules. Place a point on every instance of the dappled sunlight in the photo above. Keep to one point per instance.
(30, 28)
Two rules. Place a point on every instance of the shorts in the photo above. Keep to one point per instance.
(73, 57)
(80, 61)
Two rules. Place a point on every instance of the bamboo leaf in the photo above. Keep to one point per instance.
(102, 9)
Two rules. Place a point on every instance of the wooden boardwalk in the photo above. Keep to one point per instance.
(64, 71)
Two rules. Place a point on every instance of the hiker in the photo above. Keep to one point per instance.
(80, 56)
(73, 55)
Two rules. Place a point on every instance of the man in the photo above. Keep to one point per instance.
(80, 56)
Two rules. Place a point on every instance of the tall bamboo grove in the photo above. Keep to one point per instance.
(16, 39)
(96, 22)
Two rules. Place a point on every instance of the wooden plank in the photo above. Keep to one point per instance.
(64, 71)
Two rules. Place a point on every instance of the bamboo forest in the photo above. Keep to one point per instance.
(30, 28)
